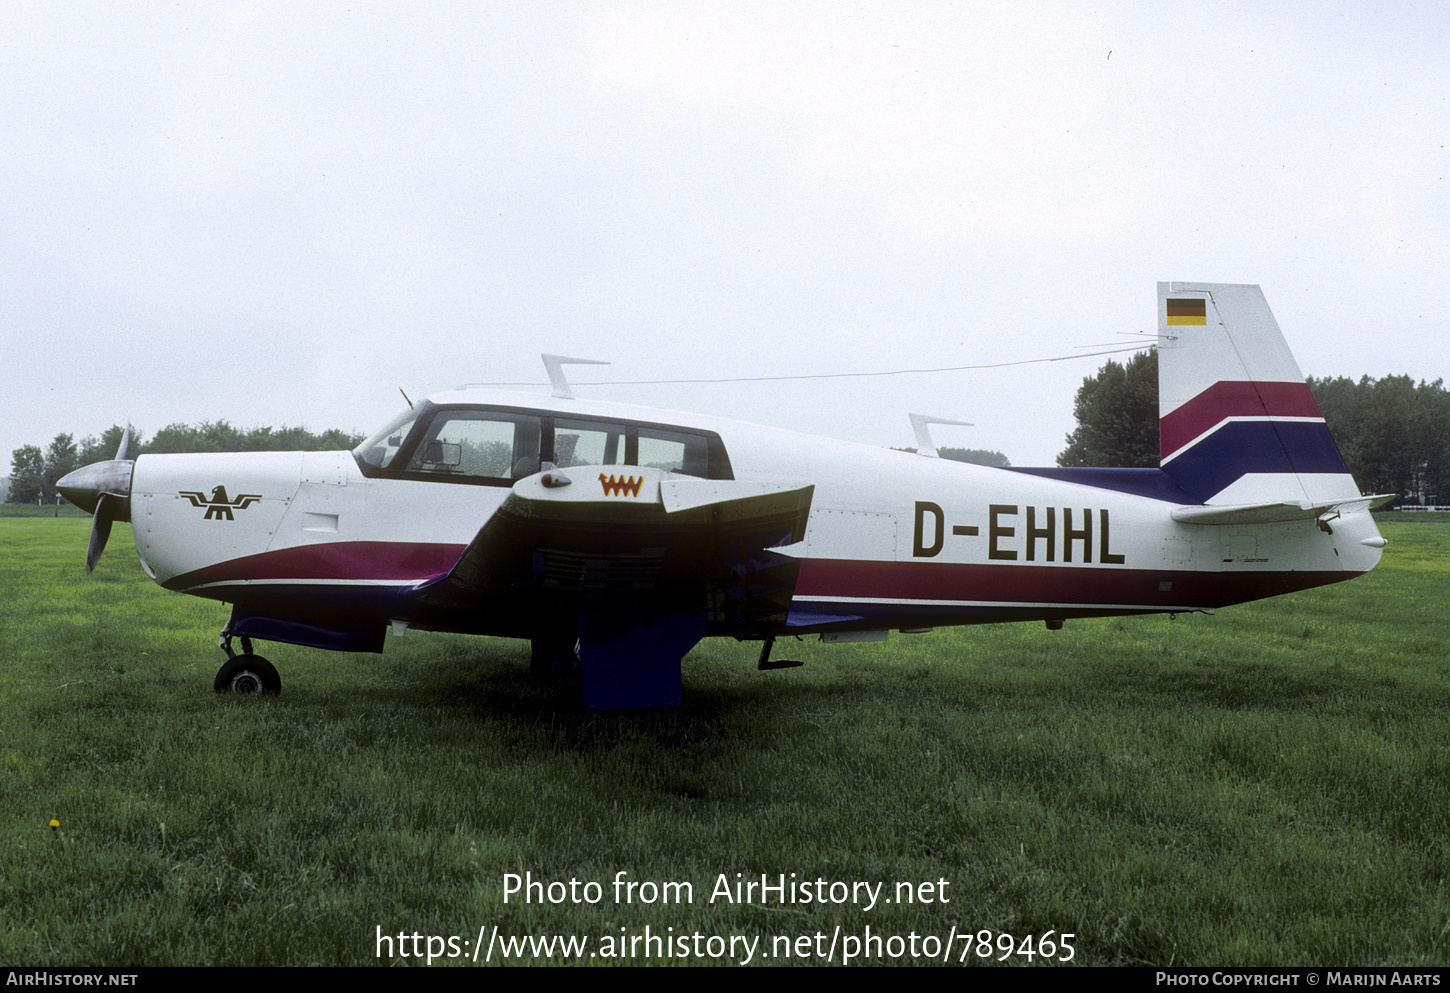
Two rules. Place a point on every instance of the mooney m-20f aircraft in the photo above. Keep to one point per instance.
(616, 537)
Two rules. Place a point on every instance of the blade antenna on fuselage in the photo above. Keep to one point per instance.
(559, 386)
(919, 424)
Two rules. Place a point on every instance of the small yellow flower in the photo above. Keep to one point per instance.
(54, 823)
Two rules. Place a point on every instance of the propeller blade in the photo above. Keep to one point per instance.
(125, 442)
(100, 529)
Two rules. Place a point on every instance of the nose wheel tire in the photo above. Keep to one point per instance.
(248, 675)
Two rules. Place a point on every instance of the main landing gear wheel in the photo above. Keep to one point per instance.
(554, 655)
(248, 675)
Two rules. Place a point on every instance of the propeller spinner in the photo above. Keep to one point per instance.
(104, 490)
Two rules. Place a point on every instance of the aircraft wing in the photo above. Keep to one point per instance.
(1275, 513)
(632, 540)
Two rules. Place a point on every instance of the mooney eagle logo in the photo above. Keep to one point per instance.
(220, 506)
(620, 485)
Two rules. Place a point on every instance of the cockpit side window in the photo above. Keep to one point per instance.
(478, 444)
(462, 445)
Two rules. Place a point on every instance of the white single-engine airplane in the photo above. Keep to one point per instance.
(627, 534)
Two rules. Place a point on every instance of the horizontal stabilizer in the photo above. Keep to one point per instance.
(1275, 513)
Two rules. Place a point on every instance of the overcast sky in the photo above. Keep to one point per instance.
(283, 213)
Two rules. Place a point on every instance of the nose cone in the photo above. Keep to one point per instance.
(85, 486)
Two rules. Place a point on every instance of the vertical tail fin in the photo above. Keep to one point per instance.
(1236, 422)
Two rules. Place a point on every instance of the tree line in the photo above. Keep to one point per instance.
(34, 471)
(1394, 434)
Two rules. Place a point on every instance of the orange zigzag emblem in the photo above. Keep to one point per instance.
(620, 485)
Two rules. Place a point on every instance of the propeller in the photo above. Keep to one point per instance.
(103, 489)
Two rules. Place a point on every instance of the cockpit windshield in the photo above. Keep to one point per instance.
(380, 450)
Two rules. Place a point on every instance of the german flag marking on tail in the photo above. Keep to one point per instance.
(1187, 311)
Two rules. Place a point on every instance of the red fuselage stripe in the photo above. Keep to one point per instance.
(405, 563)
(385, 561)
(1082, 585)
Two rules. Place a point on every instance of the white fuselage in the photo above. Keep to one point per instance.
(894, 539)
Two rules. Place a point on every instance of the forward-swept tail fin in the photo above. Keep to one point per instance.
(1237, 424)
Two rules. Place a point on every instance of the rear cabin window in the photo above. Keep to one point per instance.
(589, 443)
(579, 442)
(671, 450)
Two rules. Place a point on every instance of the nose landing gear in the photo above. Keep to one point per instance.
(246, 674)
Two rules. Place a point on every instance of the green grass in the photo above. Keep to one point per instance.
(48, 510)
(1266, 785)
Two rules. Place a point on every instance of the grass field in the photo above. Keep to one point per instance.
(1266, 785)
